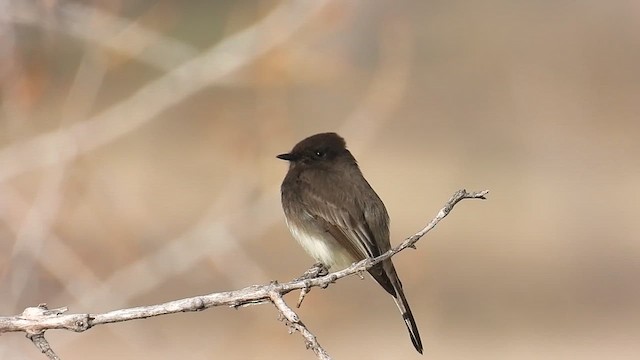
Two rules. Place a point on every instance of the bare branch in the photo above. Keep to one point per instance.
(294, 322)
(41, 343)
(38, 338)
(39, 319)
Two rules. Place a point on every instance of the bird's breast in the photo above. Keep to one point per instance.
(320, 245)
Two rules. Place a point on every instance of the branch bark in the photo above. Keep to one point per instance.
(36, 320)
(41, 343)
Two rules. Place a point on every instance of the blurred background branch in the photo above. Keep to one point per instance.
(104, 29)
(231, 54)
(137, 144)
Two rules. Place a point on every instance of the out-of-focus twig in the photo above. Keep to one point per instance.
(106, 30)
(388, 85)
(37, 225)
(210, 234)
(233, 53)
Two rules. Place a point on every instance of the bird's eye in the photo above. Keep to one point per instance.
(320, 154)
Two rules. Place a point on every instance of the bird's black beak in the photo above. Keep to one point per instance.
(288, 157)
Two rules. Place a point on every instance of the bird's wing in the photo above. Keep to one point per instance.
(349, 228)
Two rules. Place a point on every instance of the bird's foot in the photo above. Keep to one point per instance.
(317, 270)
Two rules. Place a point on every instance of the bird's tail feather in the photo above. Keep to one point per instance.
(403, 305)
(385, 274)
(405, 310)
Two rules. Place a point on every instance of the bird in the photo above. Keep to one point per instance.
(337, 217)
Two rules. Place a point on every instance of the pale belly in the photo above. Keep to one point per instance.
(322, 247)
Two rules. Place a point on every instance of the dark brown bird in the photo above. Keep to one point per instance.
(333, 212)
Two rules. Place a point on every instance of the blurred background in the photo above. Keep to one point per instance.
(137, 166)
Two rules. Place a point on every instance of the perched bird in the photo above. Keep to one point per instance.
(333, 212)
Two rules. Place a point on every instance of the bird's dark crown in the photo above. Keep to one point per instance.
(318, 148)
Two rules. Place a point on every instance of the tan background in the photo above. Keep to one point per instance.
(131, 174)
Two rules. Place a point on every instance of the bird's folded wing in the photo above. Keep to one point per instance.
(349, 229)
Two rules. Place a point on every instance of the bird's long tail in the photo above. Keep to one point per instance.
(385, 274)
(405, 310)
